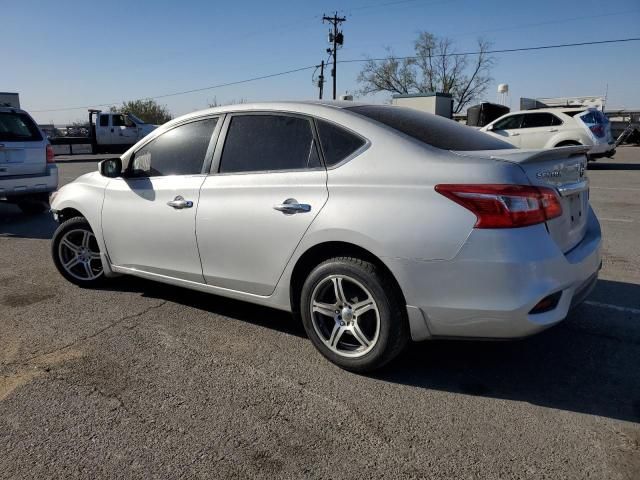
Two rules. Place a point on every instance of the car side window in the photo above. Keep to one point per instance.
(104, 120)
(179, 151)
(258, 143)
(510, 123)
(533, 120)
(118, 120)
(337, 143)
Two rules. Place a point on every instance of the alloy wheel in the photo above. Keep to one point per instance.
(345, 316)
(80, 255)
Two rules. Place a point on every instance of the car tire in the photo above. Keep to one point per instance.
(76, 253)
(355, 335)
(32, 207)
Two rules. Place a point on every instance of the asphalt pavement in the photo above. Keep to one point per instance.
(142, 380)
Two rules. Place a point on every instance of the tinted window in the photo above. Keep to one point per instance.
(104, 120)
(18, 127)
(510, 123)
(268, 142)
(431, 129)
(118, 120)
(594, 117)
(533, 120)
(179, 151)
(122, 121)
(337, 143)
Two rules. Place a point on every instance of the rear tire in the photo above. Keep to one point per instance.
(353, 314)
(76, 253)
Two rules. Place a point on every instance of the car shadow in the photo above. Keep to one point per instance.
(15, 223)
(587, 364)
(246, 312)
(613, 166)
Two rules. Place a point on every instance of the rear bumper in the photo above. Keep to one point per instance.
(489, 289)
(600, 150)
(21, 185)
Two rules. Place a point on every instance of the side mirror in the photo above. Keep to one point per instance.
(489, 128)
(110, 168)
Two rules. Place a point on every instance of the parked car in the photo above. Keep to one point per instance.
(114, 131)
(27, 169)
(376, 224)
(556, 127)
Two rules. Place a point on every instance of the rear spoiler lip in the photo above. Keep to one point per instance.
(520, 156)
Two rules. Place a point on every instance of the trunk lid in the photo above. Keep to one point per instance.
(22, 146)
(563, 169)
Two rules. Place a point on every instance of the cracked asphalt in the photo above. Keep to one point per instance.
(142, 380)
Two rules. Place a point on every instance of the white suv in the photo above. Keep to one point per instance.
(556, 127)
(27, 169)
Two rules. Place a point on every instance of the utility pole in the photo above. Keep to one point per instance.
(321, 79)
(335, 38)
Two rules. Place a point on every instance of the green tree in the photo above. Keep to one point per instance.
(435, 67)
(148, 110)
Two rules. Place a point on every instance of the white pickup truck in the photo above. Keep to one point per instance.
(116, 131)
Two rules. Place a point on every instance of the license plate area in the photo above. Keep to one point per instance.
(577, 208)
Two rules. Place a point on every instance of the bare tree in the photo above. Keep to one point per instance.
(436, 67)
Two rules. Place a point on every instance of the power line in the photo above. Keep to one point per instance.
(184, 92)
(504, 50)
(358, 60)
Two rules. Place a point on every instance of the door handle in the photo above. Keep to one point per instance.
(179, 203)
(553, 129)
(514, 134)
(291, 206)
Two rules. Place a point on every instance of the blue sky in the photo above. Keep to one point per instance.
(67, 53)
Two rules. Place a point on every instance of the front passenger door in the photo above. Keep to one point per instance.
(149, 215)
(508, 129)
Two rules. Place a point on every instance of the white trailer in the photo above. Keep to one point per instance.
(8, 99)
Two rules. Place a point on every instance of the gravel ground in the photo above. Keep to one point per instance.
(141, 380)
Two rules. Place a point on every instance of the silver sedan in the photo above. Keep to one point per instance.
(375, 225)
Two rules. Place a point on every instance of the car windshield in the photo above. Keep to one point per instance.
(431, 129)
(135, 119)
(18, 127)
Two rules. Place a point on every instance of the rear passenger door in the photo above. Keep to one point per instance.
(104, 135)
(267, 185)
(537, 129)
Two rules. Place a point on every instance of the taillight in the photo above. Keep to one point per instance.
(50, 155)
(597, 130)
(505, 206)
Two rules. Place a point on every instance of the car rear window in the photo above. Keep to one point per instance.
(594, 117)
(431, 129)
(18, 127)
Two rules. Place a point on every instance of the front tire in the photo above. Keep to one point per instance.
(353, 314)
(76, 253)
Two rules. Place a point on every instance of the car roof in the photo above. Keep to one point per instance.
(306, 107)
